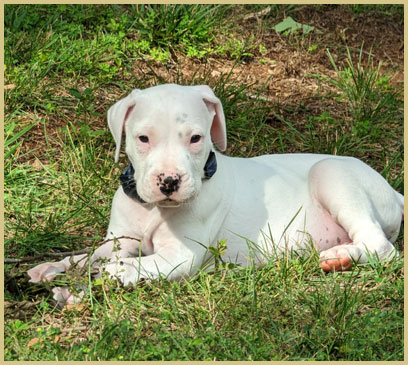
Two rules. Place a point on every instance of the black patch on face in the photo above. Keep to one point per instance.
(210, 166)
(129, 184)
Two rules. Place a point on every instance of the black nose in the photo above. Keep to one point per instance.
(169, 185)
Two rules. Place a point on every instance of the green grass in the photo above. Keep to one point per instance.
(74, 62)
(286, 310)
(372, 102)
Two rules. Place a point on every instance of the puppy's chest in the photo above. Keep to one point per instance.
(148, 223)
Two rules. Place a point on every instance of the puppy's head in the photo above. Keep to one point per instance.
(170, 130)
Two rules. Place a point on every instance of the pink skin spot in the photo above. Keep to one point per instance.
(337, 264)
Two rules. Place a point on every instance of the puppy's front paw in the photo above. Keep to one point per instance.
(45, 272)
(122, 270)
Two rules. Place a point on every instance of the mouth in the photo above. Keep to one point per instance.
(168, 203)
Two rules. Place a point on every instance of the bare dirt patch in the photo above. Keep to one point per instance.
(285, 73)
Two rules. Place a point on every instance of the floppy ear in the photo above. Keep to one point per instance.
(218, 128)
(117, 116)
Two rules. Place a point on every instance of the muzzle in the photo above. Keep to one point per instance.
(129, 184)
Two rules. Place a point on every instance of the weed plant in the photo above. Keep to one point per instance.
(367, 90)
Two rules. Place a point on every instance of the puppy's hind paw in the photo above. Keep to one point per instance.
(337, 258)
(63, 296)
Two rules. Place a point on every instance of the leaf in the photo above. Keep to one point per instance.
(287, 23)
(97, 133)
(98, 282)
(75, 93)
(291, 26)
(33, 341)
(307, 28)
(8, 141)
(197, 341)
(78, 307)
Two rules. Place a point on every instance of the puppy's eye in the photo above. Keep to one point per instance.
(144, 139)
(196, 138)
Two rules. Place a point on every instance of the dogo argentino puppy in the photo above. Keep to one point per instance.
(179, 196)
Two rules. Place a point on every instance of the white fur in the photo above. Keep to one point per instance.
(275, 201)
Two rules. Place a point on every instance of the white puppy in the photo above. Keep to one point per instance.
(179, 196)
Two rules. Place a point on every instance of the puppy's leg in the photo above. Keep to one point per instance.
(368, 239)
(363, 203)
(49, 270)
(171, 263)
